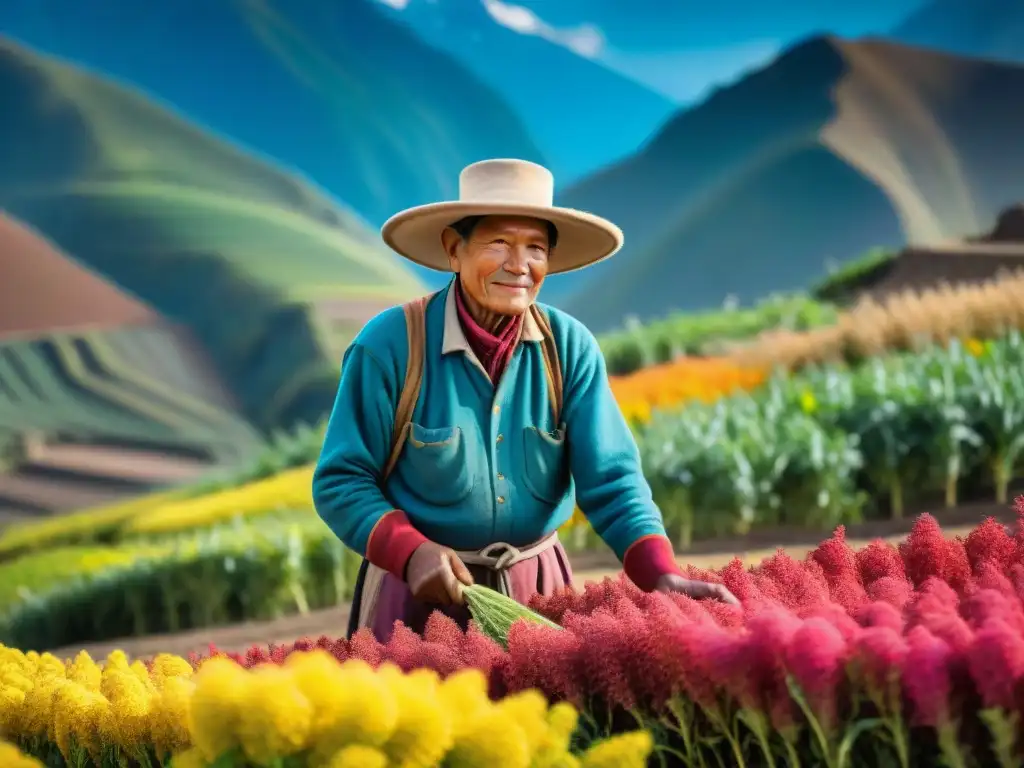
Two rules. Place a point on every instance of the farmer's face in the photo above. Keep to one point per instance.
(503, 262)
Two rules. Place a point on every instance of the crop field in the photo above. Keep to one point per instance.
(903, 655)
(873, 653)
(181, 272)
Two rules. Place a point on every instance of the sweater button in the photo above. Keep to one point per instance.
(499, 438)
(501, 499)
(501, 476)
(497, 410)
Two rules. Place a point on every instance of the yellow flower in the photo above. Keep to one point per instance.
(142, 673)
(627, 750)
(79, 715)
(166, 665)
(465, 692)
(190, 758)
(221, 689)
(552, 749)
(423, 733)
(131, 701)
(492, 739)
(276, 720)
(171, 716)
(12, 757)
(974, 347)
(64, 705)
(562, 720)
(116, 659)
(529, 710)
(50, 666)
(37, 708)
(290, 489)
(556, 760)
(84, 671)
(14, 677)
(358, 756)
(808, 403)
(12, 701)
(351, 702)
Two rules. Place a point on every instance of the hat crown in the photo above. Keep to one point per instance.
(507, 181)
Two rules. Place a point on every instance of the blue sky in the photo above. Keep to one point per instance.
(683, 47)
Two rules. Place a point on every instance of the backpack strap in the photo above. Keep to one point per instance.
(416, 334)
(552, 365)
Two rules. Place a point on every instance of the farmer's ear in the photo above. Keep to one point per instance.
(451, 240)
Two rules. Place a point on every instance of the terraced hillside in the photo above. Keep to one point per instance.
(99, 415)
(213, 239)
(99, 397)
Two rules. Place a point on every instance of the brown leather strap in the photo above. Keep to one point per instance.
(416, 334)
(552, 365)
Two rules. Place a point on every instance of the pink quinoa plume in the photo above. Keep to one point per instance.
(990, 543)
(927, 678)
(881, 614)
(790, 582)
(996, 663)
(363, 645)
(990, 575)
(838, 563)
(603, 652)
(879, 559)
(544, 658)
(816, 657)
(928, 554)
(880, 654)
(896, 591)
(761, 682)
(985, 605)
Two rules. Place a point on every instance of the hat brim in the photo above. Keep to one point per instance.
(583, 238)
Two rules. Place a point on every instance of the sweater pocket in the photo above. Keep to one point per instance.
(544, 470)
(434, 466)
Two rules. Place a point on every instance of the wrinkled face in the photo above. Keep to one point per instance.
(502, 263)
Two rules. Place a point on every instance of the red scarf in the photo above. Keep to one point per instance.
(493, 352)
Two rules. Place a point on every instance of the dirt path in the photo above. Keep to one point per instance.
(333, 621)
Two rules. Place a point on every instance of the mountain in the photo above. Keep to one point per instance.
(250, 259)
(336, 90)
(36, 295)
(984, 28)
(833, 149)
(100, 399)
(582, 114)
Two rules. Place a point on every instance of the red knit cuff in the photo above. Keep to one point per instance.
(392, 542)
(648, 559)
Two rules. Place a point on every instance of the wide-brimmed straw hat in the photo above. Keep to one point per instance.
(506, 188)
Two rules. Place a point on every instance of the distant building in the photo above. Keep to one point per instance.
(973, 260)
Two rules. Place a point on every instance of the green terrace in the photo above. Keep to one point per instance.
(142, 390)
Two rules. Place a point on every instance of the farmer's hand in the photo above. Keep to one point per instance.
(435, 574)
(698, 590)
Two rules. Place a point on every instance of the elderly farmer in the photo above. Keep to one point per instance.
(464, 419)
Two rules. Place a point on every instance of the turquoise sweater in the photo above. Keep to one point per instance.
(480, 466)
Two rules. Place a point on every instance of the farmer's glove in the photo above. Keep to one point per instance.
(435, 574)
(698, 590)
